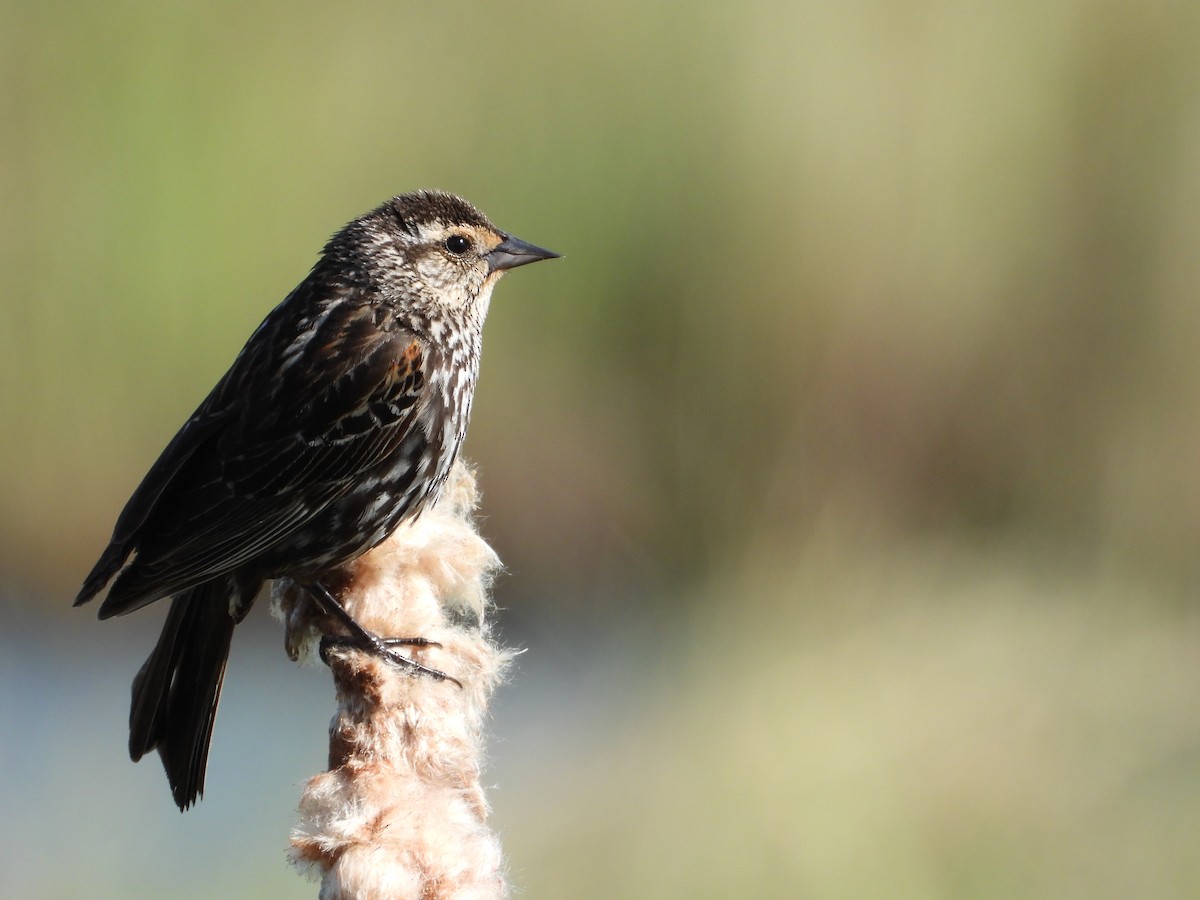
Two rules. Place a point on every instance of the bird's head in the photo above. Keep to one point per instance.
(432, 250)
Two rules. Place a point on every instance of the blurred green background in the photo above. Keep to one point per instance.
(845, 471)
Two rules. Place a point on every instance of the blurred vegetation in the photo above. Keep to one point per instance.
(900, 294)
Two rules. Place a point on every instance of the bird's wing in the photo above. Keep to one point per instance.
(311, 404)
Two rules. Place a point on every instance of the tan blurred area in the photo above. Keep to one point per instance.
(858, 429)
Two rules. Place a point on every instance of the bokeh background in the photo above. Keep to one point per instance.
(845, 471)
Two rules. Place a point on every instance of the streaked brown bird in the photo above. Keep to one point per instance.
(339, 420)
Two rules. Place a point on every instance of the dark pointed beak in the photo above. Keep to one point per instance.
(513, 252)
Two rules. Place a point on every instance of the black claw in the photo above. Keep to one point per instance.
(410, 642)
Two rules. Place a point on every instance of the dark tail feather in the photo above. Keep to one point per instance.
(109, 564)
(175, 694)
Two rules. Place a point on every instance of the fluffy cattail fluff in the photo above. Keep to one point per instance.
(401, 813)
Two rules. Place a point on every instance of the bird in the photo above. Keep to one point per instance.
(338, 421)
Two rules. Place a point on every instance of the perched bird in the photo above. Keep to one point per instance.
(339, 420)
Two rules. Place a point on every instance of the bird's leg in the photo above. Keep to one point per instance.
(361, 639)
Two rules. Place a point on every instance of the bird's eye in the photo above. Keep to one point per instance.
(457, 244)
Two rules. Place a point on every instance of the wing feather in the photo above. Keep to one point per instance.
(292, 427)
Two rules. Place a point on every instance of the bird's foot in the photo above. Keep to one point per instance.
(381, 647)
(368, 642)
